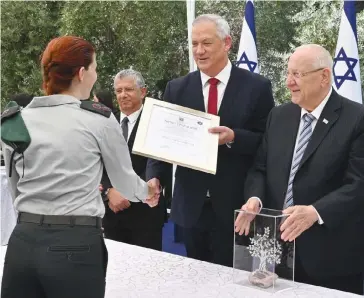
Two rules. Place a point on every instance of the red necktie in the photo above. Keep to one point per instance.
(212, 102)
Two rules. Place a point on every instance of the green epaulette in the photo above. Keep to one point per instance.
(96, 107)
(13, 130)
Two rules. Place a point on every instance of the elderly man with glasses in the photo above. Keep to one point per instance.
(311, 165)
(132, 223)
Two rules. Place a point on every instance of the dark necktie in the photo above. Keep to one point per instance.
(124, 127)
(212, 101)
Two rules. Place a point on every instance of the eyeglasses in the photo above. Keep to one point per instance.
(126, 90)
(298, 74)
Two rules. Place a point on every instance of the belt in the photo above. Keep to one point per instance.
(60, 219)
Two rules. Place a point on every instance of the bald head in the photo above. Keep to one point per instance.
(315, 55)
(309, 75)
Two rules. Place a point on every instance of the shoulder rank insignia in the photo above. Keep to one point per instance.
(9, 112)
(14, 132)
(95, 107)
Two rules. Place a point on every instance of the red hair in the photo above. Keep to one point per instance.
(61, 61)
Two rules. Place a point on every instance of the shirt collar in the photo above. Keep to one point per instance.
(317, 112)
(223, 76)
(132, 117)
(53, 100)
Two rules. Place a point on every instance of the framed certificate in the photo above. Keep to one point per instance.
(178, 135)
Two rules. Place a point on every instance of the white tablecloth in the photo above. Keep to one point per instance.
(139, 272)
(8, 213)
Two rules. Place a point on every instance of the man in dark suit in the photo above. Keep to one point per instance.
(135, 223)
(311, 164)
(203, 204)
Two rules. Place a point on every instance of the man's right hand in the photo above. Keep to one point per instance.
(242, 222)
(116, 201)
(154, 192)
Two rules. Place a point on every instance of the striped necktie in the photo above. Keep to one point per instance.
(304, 138)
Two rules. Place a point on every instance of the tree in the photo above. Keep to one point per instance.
(268, 250)
(275, 28)
(150, 37)
(25, 31)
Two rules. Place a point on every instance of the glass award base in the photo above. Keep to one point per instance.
(261, 259)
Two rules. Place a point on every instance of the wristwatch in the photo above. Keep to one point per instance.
(228, 144)
(104, 195)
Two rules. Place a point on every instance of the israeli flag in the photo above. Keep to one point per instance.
(346, 62)
(247, 54)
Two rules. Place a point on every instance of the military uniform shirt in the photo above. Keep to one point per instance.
(64, 162)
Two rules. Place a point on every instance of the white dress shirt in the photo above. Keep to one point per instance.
(223, 76)
(132, 120)
(316, 113)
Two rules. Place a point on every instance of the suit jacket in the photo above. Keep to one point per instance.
(330, 177)
(138, 214)
(245, 107)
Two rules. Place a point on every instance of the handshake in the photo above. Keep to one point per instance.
(118, 203)
(154, 190)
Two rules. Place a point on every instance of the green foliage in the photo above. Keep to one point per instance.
(275, 29)
(151, 36)
(25, 31)
(319, 23)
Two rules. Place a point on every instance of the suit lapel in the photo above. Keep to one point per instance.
(133, 133)
(233, 87)
(194, 93)
(330, 114)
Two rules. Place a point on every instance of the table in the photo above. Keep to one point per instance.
(8, 213)
(139, 272)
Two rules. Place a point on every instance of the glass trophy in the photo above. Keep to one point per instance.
(261, 259)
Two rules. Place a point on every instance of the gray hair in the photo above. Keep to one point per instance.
(222, 26)
(323, 58)
(130, 73)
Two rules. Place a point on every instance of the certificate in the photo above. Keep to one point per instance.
(178, 135)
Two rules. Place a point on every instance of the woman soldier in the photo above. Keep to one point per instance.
(57, 248)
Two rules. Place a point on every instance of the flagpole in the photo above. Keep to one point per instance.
(190, 5)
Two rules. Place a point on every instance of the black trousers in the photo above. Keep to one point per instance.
(210, 240)
(149, 238)
(350, 283)
(54, 261)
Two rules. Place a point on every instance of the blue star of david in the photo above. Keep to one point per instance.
(350, 74)
(244, 60)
